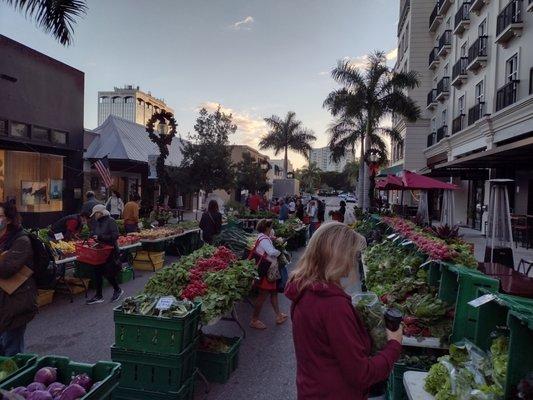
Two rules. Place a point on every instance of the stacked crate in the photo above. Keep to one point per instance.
(158, 355)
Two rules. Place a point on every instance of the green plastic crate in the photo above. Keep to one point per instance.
(154, 334)
(459, 285)
(125, 275)
(517, 315)
(153, 371)
(23, 361)
(395, 386)
(217, 367)
(106, 372)
(185, 393)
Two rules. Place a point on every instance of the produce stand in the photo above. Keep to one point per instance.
(69, 286)
(23, 361)
(151, 246)
(414, 385)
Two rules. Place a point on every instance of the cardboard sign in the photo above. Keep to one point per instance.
(486, 298)
(11, 284)
(59, 236)
(392, 235)
(164, 303)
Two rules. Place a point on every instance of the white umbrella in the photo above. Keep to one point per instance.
(423, 208)
(447, 215)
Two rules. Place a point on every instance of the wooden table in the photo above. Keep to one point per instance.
(495, 269)
(511, 281)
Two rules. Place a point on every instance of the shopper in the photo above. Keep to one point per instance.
(333, 360)
(105, 231)
(18, 292)
(87, 207)
(300, 210)
(349, 216)
(342, 210)
(312, 213)
(264, 248)
(131, 214)
(69, 227)
(254, 202)
(115, 205)
(283, 211)
(321, 211)
(211, 222)
(292, 206)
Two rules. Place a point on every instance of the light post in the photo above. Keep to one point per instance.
(373, 158)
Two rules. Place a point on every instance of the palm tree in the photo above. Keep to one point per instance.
(53, 16)
(287, 134)
(361, 104)
(309, 176)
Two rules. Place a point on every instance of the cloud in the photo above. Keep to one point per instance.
(357, 62)
(244, 24)
(392, 55)
(250, 129)
(323, 73)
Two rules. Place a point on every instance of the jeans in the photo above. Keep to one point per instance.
(99, 280)
(12, 341)
(313, 226)
(129, 228)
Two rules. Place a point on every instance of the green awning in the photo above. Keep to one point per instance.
(391, 170)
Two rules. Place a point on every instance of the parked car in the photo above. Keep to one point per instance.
(350, 198)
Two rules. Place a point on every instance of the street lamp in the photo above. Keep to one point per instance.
(162, 127)
(373, 159)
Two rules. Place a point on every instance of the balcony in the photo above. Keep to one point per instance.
(432, 99)
(445, 6)
(510, 23)
(443, 89)
(442, 132)
(433, 58)
(445, 43)
(477, 5)
(459, 74)
(435, 18)
(458, 124)
(403, 16)
(507, 95)
(530, 6)
(432, 139)
(462, 19)
(477, 54)
(475, 113)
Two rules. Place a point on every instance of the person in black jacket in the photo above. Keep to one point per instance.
(87, 207)
(69, 226)
(104, 230)
(18, 297)
(211, 222)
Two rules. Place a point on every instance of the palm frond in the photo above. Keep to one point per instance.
(345, 73)
(398, 103)
(401, 81)
(57, 17)
(392, 133)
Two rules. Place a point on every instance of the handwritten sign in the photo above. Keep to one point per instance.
(59, 236)
(486, 298)
(164, 303)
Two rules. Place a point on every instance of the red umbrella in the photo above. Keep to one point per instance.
(412, 181)
(391, 182)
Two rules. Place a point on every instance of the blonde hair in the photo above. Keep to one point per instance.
(330, 255)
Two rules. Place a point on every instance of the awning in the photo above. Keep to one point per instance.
(412, 181)
(390, 170)
(518, 154)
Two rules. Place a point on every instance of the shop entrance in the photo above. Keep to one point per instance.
(476, 197)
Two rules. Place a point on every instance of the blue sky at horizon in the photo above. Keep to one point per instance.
(255, 58)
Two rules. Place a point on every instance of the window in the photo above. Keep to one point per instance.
(531, 81)
(59, 137)
(443, 117)
(480, 92)
(19, 130)
(38, 133)
(461, 105)
(3, 127)
(464, 50)
(433, 125)
(449, 23)
(482, 28)
(434, 82)
(446, 70)
(511, 68)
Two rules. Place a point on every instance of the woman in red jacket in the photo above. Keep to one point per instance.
(332, 345)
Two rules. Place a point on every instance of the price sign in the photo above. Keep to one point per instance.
(486, 298)
(392, 235)
(59, 236)
(164, 303)
(406, 243)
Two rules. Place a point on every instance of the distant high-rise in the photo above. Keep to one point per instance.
(129, 103)
(322, 158)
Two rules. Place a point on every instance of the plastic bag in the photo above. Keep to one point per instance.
(371, 312)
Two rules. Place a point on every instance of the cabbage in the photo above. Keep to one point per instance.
(46, 375)
(40, 395)
(21, 391)
(83, 380)
(32, 387)
(56, 388)
(72, 392)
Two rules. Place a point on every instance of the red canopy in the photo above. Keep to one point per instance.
(412, 181)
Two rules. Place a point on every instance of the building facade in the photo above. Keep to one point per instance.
(41, 134)
(478, 98)
(129, 103)
(322, 158)
(278, 166)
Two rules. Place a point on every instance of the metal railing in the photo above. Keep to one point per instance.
(445, 39)
(432, 139)
(475, 113)
(432, 96)
(507, 95)
(434, 13)
(444, 85)
(478, 49)
(433, 55)
(457, 124)
(460, 67)
(403, 15)
(463, 14)
(511, 14)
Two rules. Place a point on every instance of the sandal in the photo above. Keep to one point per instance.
(281, 318)
(256, 324)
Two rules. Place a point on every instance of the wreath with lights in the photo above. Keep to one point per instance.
(162, 140)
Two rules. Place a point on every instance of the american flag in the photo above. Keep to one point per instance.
(102, 166)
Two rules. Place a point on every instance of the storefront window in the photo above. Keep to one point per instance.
(59, 137)
(3, 127)
(40, 134)
(33, 180)
(19, 130)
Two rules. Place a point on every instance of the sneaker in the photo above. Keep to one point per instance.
(117, 294)
(95, 300)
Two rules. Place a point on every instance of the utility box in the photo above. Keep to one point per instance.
(285, 187)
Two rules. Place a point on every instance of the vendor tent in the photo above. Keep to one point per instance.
(447, 216)
(423, 207)
(412, 181)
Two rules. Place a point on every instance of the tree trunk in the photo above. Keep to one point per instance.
(366, 176)
(285, 163)
(361, 179)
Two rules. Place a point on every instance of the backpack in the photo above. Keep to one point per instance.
(43, 267)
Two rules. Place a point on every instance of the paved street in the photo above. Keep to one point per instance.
(85, 333)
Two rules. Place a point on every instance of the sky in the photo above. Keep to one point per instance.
(254, 58)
